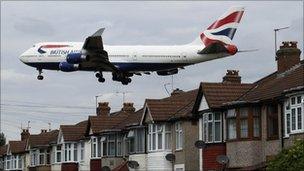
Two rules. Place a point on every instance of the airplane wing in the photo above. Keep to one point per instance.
(98, 57)
(213, 48)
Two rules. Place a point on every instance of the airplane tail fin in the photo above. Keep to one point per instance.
(223, 29)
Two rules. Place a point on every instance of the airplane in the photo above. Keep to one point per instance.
(126, 61)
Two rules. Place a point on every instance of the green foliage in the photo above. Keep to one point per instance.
(2, 139)
(291, 159)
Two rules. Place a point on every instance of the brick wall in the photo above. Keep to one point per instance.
(209, 156)
(95, 164)
(69, 167)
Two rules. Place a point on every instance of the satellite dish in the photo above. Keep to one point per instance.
(105, 168)
(222, 159)
(133, 164)
(170, 157)
(200, 144)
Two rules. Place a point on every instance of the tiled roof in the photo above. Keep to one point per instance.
(74, 132)
(173, 106)
(17, 146)
(275, 84)
(43, 139)
(103, 123)
(217, 94)
(133, 119)
(3, 150)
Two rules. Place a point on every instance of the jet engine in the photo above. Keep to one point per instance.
(167, 72)
(76, 58)
(67, 67)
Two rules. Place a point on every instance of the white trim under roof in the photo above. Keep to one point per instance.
(203, 104)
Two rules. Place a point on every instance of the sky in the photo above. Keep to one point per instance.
(67, 98)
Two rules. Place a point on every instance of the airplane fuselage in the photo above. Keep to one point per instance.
(126, 58)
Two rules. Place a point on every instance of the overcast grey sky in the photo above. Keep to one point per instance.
(66, 98)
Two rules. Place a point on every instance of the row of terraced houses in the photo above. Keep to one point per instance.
(242, 124)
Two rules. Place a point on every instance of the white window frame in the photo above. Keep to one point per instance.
(58, 153)
(178, 136)
(297, 106)
(205, 125)
(111, 141)
(152, 130)
(70, 152)
(82, 150)
(94, 141)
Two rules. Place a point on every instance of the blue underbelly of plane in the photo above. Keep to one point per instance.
(121, 66)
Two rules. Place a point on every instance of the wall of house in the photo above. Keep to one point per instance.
(27, 162)
(253, 152)
(85, 165)
(141, 159)
(41, 168)
(111, 162)
(56, 166)
(210, 154)
(157, 161)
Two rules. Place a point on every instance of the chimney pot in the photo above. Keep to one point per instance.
(176, 91)
(25, 134)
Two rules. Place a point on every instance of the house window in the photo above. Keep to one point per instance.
(8, 162)
(96, 147)
(104, 146)
(82, 151)
(111, 145)
(256, 121)
(140, 140)
(212, 128)
(19, 162)
(179, 135)
(119, 145)
(244, 122)
(41, 157)
(58, 154)
(272, 121)
(34, 157)
(75, 152)
(67, 152)
(231, 124)
(156, 137)
(168, 136)
(294, 113)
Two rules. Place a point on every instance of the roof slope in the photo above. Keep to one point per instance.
(17, 146)
(173, 106)
(217, 94)
(133, 119)
(3, 150)
(275, 84)
(74, 132)
(42, 139)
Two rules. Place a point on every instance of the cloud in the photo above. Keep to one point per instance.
(33, 26)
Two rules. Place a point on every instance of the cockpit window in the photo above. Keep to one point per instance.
(34, 45)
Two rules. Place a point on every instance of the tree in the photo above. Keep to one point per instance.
(2, 139)
(289, 159)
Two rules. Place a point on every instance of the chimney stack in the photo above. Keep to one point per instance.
(25, 134)
(128, 107)
(232, 76)
(103, 109)
(176, 91)
(287, 56)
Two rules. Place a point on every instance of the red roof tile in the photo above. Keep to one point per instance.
(43, 139)
(16, 147)
(3, 150)
(74, 132)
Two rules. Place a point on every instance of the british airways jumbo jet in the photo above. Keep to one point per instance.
(125, 61)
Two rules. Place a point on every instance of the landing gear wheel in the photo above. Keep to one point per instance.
(98, 75)
(101, 79)
(40, 77)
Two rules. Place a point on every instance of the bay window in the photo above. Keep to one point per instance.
(58, 154)
(179, 136)
(8, 162)
(96, 147)
(139, 140)
(256, 121)
(119, 145)
(212, 127)
(272, 122)
(231, 124)
(82, 151)
(158, 135)
(111, 145)
(244, 122)
(75, 152)
(294, 114)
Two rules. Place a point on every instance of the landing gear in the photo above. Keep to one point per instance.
(121, 77)
(100, 77)
(40, 77)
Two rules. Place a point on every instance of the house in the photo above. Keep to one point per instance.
(171, 132)
(109, 145)
(40, 150)
(72, 150)
(269, 117)
(209, 109)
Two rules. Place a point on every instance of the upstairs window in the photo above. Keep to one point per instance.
(244, 122)
(231, 124)
(179, 136)
(82, 151)
(294, 114)
(212, 127)
(58, 154)
(272, 122)
(256, 121)
(157, 137)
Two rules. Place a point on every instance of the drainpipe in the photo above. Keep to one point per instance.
(282, 125)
